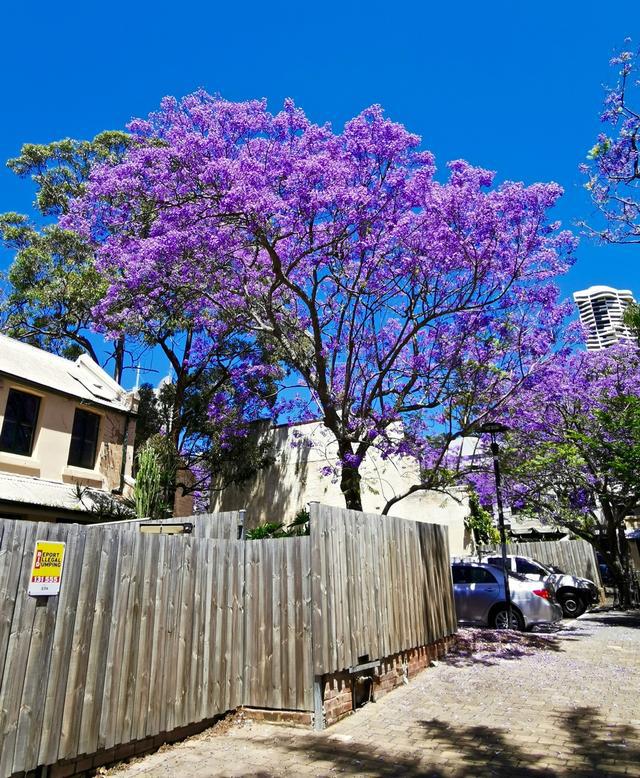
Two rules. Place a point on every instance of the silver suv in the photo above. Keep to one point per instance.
(574, 594)
(479, 595)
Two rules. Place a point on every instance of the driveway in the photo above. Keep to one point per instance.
(560, 704)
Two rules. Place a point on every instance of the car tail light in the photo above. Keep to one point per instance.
(542, 593)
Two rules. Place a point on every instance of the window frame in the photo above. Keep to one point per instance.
(79, 409)
(34, 424)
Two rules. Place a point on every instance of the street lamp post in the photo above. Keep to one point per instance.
(494, 428)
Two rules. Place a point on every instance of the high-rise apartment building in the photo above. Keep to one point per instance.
(601, 311)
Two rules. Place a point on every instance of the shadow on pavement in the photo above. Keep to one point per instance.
(596, 748)
(593, 748)
(615, 620)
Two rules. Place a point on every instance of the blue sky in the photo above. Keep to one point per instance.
(514, 87)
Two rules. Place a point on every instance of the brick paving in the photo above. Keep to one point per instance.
(542, 705)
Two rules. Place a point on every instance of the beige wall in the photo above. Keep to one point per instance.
(50, 452)
(278, 492)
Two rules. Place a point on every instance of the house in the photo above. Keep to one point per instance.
(304, 452)
(66, 435)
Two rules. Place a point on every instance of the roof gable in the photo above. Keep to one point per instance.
(83, 378)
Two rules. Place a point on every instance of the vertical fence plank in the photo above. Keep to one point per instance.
(13, 540)
(145, 637)
(17, 655)
(158, 636)
(236, 624)
(170, 675)
(79, 659)
(29, 723)
(94, 697)
(55, 695)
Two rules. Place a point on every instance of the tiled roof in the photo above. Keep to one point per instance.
(28, 490)
(82, 378)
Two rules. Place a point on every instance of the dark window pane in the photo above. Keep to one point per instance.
(459, 574)
(480, 575)
(525, 567)
(19, 426)
(84, 439)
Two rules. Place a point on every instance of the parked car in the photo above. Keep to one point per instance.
(479, 595)
(574, 594)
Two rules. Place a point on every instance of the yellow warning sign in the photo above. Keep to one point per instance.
(46, 570)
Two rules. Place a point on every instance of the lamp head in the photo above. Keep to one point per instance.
(492, 428)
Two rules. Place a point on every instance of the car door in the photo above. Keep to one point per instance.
(484, 593)
(461, 590)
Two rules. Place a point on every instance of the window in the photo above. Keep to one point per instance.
(496, 561)
(460, 574)
(529, 568)
(19, 426)
(84, 439)
(468, 574)
(481, 576)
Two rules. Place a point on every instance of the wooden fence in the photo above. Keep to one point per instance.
(226, 525)
(379, 586)
(154, 632)
(576, 557)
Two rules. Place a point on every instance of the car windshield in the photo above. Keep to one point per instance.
(544, 566)
(550, 568)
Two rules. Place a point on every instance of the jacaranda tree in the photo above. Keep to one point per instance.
(53, 299)
(613, 169)
(389, 297)
(572, 456)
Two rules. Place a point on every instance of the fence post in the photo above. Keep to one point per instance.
(242, 520)
(319, 722)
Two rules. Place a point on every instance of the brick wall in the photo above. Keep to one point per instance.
(338, 687)
(87, 765)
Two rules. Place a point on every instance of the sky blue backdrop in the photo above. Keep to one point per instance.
(514, 87)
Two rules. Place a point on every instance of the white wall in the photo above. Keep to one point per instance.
(278, 492)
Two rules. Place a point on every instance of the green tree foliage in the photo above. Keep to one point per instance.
(269, 529)
(53, 286)
(156, 471)
(207, 455)
(632, 319)
(149, 420)
(480, 522)
(52, 283)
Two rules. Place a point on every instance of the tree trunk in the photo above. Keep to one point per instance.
(118, 359)
(350, 481)
(622, 582)
(614, 558)
(174, 436)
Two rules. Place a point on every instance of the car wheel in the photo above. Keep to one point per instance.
(572, 605)
(500, 619)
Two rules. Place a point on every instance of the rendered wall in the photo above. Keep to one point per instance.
(53, 437)
(296, 478)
